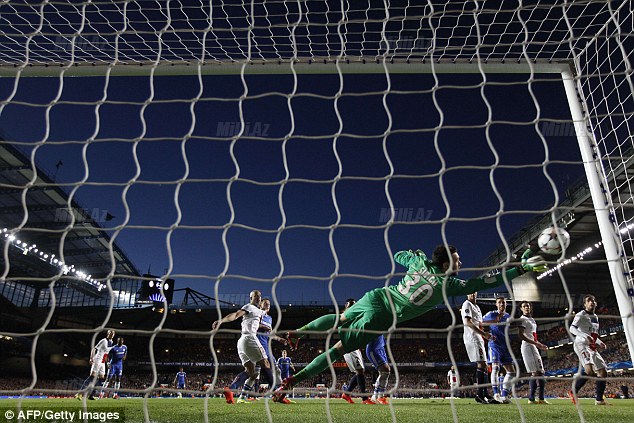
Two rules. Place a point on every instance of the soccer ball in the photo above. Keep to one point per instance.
(550, 240)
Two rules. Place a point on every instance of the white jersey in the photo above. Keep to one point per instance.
(251, 320)
(529, 328)
(583, 326)
(102, 348)
(472, 311)
(453, 379)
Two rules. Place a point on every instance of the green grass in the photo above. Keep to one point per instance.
(188, 410)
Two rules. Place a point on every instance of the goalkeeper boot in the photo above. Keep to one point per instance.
(368, 401)
(571, 395)
(383, 400)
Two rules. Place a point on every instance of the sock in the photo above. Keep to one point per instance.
(86, 382)
(380, 385)
(318, 365)
(352, 384)
(322, 323)
(247, 387)
(361, 381)
(600, 389)
(532, 385)
(506, 384)
(480, 381)
(117, 385)
(268, 376)
(239, 380)
(495, 369)
(580, 383)
(103, 387)
(542, 385)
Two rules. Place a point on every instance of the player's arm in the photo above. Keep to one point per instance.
(528, 340)
(228, 318)
(290, 363)
(468, 322)
(406, 258)
(577, 331)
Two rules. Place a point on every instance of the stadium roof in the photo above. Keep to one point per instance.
(39, 212)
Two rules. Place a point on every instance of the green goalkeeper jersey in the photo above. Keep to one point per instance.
(420, 290)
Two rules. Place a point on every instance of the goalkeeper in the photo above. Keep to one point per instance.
(420, 290)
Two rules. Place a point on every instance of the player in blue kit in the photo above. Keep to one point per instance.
(375, 351)
(180, 381)
(285, 365)
(499, 354)
(117, 355)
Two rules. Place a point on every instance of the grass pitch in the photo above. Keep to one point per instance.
(186, 410)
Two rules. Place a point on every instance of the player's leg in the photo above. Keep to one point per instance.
(600, 368)
(375, 351)
(117, 383)
(321, 324)
(381, 384)
(507, 383)
(105, 385)
(249, 367)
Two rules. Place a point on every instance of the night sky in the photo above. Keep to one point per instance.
(419, 141)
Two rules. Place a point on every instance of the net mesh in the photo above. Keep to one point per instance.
(261, 169)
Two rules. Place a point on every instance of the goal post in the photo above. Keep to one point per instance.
(615, 253)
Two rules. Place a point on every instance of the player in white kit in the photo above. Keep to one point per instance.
(97, 365)
(473, 338)
(585, 328)
(453, 380)
(250, 349)
(530, 353)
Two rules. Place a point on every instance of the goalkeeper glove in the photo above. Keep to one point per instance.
(533, 264)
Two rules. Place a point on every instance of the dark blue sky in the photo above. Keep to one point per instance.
(305, 251)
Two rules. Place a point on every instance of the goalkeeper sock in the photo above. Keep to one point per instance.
(318, 365)
(322, 323)
(361, 381)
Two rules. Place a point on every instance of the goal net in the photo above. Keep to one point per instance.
(293, 147)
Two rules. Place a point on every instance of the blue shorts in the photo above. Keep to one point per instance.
(285, 375)
(180, 386)
(116, 370)
(375, 351)
(499, 354)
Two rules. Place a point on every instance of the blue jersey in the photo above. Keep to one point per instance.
(180, 379)
(266, 324)
(117, 353)
(498, 350)
(499, 329)
(375, 351)
(284, 363)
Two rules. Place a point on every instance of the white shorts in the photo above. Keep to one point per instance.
(250, 349)
(589, 356)
(98, 367)
(354, 360)
(532, 359)
(476, 351)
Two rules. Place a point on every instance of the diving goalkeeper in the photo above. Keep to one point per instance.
(420, 290)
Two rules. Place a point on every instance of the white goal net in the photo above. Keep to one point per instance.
(293, 147)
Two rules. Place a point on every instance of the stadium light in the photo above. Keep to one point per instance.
(578, 256)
